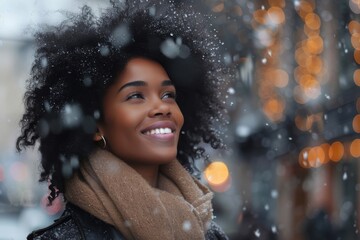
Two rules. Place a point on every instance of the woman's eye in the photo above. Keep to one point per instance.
(169, 95)
(135, 96)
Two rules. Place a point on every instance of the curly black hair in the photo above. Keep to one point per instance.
(78, 60)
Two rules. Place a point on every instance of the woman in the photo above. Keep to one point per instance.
(106, 100)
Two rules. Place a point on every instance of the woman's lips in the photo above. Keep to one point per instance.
(161, 130)
(160, 124)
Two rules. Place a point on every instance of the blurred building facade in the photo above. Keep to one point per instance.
(296, 120)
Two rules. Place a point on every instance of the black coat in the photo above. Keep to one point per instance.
(76, 224)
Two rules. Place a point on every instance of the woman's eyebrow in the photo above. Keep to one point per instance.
(142, 83)
(167, 83)
(133, 84)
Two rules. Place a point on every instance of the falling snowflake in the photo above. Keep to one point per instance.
(257, 233)
(186, 225)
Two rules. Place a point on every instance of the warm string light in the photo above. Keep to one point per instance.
(308, 55)
(267, 23)
(354, 30)
(316, 156)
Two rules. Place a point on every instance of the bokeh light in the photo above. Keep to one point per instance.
(216, 173)
(355, 40)
(355, 148)
(356, 123)
(357, 56)
(274, 108)
(304, 8)
(314, 64)
(277, 3)
(354, 27)
(316, 156)
(354, 6)
(314, 45)
(336, 151)
(275, 16)
(357, 77)
(260, 16)
(312, 20)
(325, 147)
(303, 158)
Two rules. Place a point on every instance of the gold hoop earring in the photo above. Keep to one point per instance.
(104, 142)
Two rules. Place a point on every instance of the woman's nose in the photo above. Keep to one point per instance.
(160, 108)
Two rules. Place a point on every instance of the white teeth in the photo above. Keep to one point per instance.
(159, 131)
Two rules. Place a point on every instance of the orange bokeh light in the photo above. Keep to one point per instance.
(316, 156)
(274, 108)
(299, 95)
(278, 77)
(354, 27)
(314, 64)
(301, 56)
(299, 72)
(355, 40)
(311, 32)
(277, 3)
(304, 8)
(312, 20)
(325, 147)
(336, 151)
(216, 173)
(357, 56)
(356, 123)
(357, 77)
(260, 16)
(275, 15)
(307, 80)
(303, 158)
(355, 148)
(310, 86)
(314, 45)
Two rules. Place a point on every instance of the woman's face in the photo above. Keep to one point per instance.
(142, 121)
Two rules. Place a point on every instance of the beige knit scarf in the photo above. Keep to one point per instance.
(180, 208)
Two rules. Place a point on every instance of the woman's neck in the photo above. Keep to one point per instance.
(149, 172)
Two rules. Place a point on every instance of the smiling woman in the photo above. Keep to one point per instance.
(106, 100)
(142, 120)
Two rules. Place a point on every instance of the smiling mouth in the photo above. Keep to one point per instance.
(159, 131)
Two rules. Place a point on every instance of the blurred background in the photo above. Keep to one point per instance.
(292, 167)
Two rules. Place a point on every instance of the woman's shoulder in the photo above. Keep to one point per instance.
(63, 228)
(215, 232)
(76, 224)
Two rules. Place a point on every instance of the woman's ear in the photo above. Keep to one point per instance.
(98, 134)
(99, 138)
